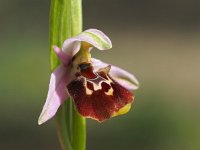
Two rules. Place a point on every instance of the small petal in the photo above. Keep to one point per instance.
(94, 37)
(57, 93)
(61, 55)
(123, 77)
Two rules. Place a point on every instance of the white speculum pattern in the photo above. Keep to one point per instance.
(97, 85)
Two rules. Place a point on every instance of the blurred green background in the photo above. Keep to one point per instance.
(157, 40)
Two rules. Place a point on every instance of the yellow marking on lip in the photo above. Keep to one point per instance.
(110, 92)
(88, 91)
(123, 110)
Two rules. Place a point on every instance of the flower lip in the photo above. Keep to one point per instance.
(99, 98)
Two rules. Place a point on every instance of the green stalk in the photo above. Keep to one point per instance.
(79, 123)
(65, 22)
(60, 29)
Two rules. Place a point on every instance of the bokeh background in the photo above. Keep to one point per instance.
(157, 40)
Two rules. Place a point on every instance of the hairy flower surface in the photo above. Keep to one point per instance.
(99, 90)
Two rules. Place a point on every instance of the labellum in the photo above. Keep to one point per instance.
(97, 95)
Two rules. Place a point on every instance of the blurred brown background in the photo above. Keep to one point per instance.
(157, 40)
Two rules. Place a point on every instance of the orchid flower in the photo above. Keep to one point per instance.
(99, 90)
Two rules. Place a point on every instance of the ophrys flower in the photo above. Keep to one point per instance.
(99, 90)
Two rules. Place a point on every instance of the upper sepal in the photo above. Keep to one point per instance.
(94, 37)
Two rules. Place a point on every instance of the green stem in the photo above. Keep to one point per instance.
(66, 21)
(62, 128)
(79, 123)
